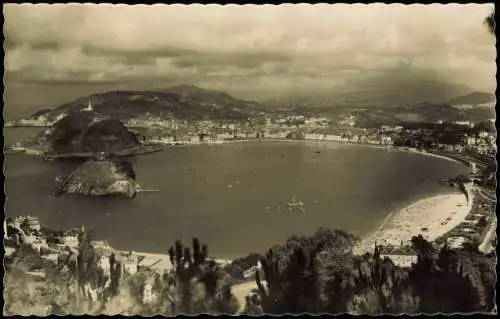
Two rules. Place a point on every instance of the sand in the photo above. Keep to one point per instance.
(431, 217)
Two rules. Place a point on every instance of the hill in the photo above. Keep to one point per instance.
(474, 98)
(181, 102)
(83, 131)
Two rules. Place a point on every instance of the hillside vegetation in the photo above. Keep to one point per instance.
(315, 274)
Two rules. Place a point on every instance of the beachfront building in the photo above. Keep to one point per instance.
(314, 136)
(386, 140)
(464, 123)
(391, 129)
(333, 138)
(30, 222)
(224, 136)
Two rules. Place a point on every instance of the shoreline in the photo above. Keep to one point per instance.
(159, 146)
(432, 217)
(441, 205)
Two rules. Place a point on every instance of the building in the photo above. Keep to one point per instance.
(314, 136)
(386, 140)
(401, 260)
(471, 140)
(333, 138)
(388, 128)
(402, 256)
(483, 134)
(33, 222)
(464, 123)
(71, 241)
(147, 294)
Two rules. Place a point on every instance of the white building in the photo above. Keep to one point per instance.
(386, 140)
(147, 294)
(71, 241)
(401, 260)
(314, 136)
(277, 135)
(224, 136)
(483, 134)
(334, 138)
(466, 123)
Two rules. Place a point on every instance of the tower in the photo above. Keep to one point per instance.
(89, 107)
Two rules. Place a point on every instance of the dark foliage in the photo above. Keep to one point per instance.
(194, 265)
(90, 132)
(316, 280)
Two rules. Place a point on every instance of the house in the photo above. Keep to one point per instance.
(70, 241)
(483, 134)
(388, 128)
(333, 138)
(314, 136)
(386, 140)
(402, 256)
(471, 140)
(464, 123)
(401, 260)
(33, 222)
(147, 294)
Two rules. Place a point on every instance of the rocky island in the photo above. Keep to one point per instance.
(102, 177)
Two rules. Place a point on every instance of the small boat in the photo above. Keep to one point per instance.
(140, 190)
(318, 152)
(294, 203)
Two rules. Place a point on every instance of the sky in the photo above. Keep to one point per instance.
(54, 53)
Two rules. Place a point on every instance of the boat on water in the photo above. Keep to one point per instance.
(294, 203)
(139, 189)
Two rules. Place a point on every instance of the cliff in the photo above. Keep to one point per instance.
(101, 178)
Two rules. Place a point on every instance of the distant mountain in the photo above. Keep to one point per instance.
(397, 87)
(473, 98)
(181, 102)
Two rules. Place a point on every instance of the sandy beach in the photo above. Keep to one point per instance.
(431, 217)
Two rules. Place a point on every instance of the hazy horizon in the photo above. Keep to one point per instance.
(56, 53)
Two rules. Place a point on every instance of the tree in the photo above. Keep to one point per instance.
(490, 22)
(194, 266)
(482, 222)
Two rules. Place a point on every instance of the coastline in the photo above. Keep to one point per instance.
(432, 217)
(427, 213)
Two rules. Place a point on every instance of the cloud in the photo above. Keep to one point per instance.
(246, 48)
